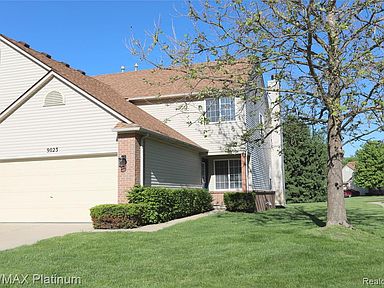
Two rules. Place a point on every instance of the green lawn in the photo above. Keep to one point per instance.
(278, 248)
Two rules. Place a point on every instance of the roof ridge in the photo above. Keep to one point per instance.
(168, 68)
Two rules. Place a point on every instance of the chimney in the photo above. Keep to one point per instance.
(122, 68)
(136, 66)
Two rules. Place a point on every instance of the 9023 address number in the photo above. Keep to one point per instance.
(52, 149)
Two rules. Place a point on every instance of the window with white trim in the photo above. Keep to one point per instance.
(228, 174)
(220, 109)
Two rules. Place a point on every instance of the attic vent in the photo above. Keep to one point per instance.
(53, 98)
(24, 44)
(46, 55)
(66, 64)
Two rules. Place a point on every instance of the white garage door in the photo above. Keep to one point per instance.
(56, 190)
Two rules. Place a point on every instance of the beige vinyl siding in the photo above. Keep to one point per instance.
(60, 190)
(17, 75)
(171, 166)
(214, 137)
(79, 127)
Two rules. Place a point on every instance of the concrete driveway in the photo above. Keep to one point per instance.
(17, 234)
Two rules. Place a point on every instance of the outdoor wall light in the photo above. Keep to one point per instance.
(123, 162)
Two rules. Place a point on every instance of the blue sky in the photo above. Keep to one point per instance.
(91, 35)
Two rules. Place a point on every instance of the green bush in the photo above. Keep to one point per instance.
(167, 204)
(120, 216)
(240, 202)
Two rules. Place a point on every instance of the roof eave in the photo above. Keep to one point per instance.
(143, 131)
(162, 97)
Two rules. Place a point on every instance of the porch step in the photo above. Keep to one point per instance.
(219, 207)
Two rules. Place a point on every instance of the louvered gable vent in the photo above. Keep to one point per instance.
(54, 98)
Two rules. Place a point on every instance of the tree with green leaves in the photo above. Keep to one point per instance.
(327, 55)
(305, 162)
(370, 166)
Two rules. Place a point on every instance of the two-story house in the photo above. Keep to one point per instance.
(69, 141)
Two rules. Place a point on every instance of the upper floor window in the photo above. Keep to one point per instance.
(220, 109)
(53, 98)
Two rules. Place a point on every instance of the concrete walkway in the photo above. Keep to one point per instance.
(377, 203)
(13, 235)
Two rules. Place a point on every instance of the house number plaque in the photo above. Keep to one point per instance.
(52, 149)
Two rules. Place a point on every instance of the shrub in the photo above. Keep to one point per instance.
(167, 204)
(120, 216)
(240, 202)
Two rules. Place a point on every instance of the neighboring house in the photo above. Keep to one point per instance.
(69, 141)
(348, 173)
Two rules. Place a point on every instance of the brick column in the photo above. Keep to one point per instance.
(129, 145)
(243, 172)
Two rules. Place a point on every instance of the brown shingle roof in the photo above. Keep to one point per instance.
(352, 165)
(161, 82)
(105, 94)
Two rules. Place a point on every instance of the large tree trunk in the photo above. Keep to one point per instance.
(337, 214)
(336, 205)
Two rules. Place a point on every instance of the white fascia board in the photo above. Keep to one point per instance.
(27, 95)
(161, 97)
(92, 98)
(128, 129)
(26, 54)
(222, 153)
(160, 136)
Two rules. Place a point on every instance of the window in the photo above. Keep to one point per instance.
(221, 109)
(228, 174)
(53, 98)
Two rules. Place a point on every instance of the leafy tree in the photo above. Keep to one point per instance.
(328, 56)
(305, 162)
(370, 166)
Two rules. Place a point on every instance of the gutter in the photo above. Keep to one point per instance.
(143, 131)
(247, 172)
(142, 147)
(161, 97)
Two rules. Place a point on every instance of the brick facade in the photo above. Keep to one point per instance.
(129, 145)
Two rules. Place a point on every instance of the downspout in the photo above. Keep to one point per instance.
(246, 169)
(142, 159)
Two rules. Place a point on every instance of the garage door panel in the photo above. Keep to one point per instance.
(56, 190)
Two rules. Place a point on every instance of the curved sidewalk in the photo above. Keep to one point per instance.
(13, 235)
(159, 226)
